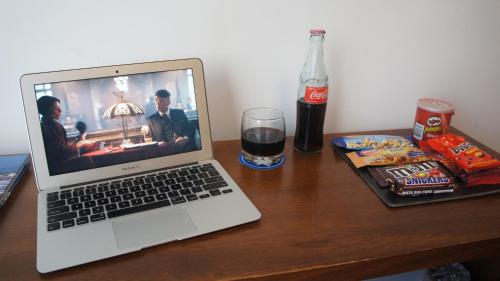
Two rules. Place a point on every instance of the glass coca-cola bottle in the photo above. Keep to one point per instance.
(312, 95)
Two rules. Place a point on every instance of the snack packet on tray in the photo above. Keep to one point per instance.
(415, 179)
(369, 142)
(464, 154)
(384, 157)
(483, 177)
(446, 162)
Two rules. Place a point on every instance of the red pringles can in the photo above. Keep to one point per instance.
(432, 119)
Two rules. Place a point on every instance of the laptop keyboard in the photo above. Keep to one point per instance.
(96, 202)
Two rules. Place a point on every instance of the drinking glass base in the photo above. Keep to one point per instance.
(262, 167)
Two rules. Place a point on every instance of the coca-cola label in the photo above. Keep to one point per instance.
(316, 94)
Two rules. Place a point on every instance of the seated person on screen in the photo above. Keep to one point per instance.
(57, 148)
(170, 127)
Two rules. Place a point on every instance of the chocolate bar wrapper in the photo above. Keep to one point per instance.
(378, 177)
(384, 157)
(421, 192)
(424, 186)
(415, 179)
(484, 177)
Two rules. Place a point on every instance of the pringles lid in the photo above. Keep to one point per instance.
(317, 31)
(436, 106)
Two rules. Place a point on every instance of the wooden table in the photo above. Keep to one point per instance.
(319, 222)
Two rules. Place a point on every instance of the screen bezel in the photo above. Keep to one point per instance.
(39, 159)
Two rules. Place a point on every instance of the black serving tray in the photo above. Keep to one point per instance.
(394, 200)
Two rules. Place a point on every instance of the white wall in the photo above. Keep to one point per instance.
(381, 55)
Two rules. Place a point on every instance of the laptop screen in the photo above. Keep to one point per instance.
(100, 122)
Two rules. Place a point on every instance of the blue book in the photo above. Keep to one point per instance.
(12, 167)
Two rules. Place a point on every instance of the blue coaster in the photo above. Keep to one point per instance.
(262, 167)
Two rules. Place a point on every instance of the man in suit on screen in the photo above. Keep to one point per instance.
(170, 127)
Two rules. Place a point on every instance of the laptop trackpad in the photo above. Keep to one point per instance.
(149, 229)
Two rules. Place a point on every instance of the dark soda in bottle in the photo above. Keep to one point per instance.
(312, 95)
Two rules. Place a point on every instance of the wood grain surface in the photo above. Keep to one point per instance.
(319, 222)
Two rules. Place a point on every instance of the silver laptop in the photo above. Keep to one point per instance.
(123, 161)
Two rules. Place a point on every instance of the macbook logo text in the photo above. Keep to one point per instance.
(130, 168)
